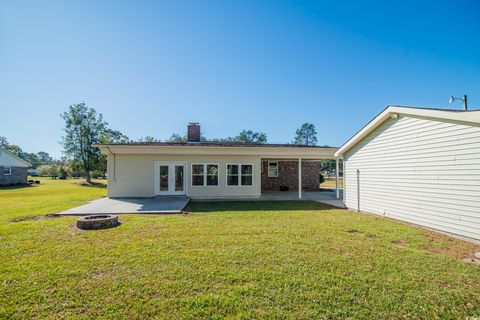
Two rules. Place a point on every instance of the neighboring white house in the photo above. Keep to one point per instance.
(13, 170)
(417, 165)
(200, 169)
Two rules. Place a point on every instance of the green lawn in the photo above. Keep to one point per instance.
(247, 260)
(331, 183)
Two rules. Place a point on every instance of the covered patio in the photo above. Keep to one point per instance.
(299, 178)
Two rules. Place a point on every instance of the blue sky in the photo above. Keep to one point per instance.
(151, 67)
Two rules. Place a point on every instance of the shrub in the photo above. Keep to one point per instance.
(321, 178)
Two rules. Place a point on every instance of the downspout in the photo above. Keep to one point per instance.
(337, 171)
(114, 164)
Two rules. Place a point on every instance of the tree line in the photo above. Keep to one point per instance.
(85, 127)
(36, 159)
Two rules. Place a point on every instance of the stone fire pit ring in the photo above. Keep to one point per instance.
(99, 221)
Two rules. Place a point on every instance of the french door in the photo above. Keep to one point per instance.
(169, 178)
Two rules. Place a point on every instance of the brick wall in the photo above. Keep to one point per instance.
(288, 176)
(19, 176)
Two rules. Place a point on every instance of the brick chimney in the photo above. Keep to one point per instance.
(193, 133)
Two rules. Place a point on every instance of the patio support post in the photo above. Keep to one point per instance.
(336, 178)
(343, 181)
(299, 178)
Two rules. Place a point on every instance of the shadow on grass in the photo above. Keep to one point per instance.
(92, 185)
(213, 206)
(17, 186)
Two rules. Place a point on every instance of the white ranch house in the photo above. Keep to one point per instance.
(212, 170)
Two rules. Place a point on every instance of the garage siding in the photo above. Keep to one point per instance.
(418, 170)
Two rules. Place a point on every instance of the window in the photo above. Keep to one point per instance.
(204, 174)
(273, 169)
(239, 175)
(197, 175)
(247, 175)
(232, 174)
(212, 174)
(7, 171)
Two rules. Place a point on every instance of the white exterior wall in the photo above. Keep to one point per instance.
(419, 170)
(134, 175)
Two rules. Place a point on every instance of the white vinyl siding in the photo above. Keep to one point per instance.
(134, 176)
(419, 170)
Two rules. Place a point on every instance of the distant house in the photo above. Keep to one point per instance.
(212, 170)
(13, 170)
(417, 165)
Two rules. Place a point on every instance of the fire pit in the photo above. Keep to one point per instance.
(96, 222)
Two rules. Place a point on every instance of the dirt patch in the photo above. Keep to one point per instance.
(33, 218)
(472, 261)
(354, 231)
(454, 247)
(400, 243)
(362, 234)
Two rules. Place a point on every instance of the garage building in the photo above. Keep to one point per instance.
(417, 165)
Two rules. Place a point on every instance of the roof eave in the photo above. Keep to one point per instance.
(27, 164)
(369, 127)
(472, 116)
(320, 153)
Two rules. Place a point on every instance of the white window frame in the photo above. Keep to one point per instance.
(268, 169)
(204, 174)
(9, 171)
(239, 174)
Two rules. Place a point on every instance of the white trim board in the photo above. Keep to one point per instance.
(472, 117)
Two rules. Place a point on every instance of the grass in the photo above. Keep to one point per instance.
(330, 183)
(237, 260)
(50, 196)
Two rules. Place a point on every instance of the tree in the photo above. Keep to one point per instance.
(32, 158)
(306, 135)
(175, 137)
(83, 129)
(106, 137)
(112, 136)
(48, 170)
(246, 136)
(44, 171)
(73, 168)
(327, 166)
(149, 139)
(249, 136)
(35, 159)
(62, 173)
(13, 148)
(44, 157)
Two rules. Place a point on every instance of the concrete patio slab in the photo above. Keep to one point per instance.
(327, 197)
(174, 204)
